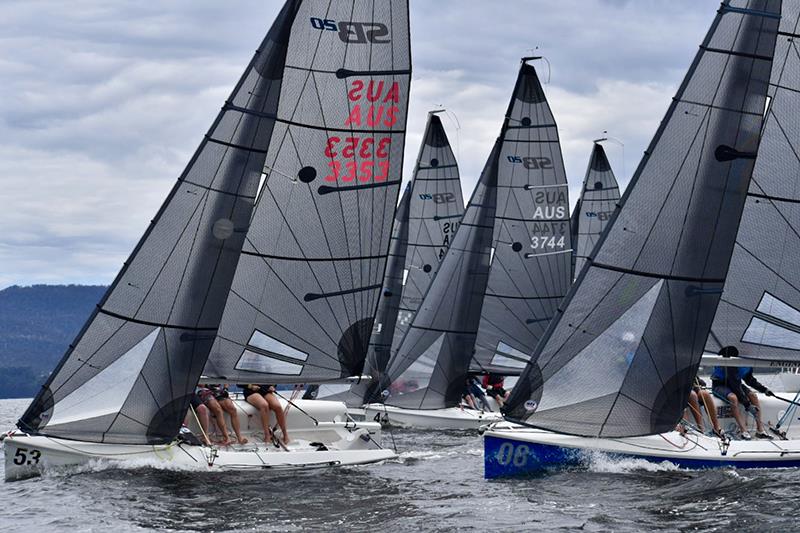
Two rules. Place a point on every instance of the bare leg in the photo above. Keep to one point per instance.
(711, 409)
(202, 417)
(754, 400)
(694, 407)
(258, 401)
(228, 407)
(736, 413)
(216, 410)
(275, 405)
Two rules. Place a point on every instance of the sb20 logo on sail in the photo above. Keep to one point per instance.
(439, 198)
(354, 32)
(532, 163)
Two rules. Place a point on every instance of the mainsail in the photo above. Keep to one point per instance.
(307, 286)
(425, 223)
(501, 273)
(759, 312)
(597, 202)
(129, 375)
(620, 357)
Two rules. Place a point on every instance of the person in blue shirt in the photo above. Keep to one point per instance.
(729, 383)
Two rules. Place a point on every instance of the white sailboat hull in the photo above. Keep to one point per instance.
(28, 456)
(449, 418)
(321, 437)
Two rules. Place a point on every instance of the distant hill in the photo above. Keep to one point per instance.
(37, 324)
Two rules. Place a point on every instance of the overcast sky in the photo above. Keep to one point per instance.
(103, 102)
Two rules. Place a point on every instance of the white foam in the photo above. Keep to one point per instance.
(607, 464)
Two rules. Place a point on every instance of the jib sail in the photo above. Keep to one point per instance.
(620, 357)
(129, 375)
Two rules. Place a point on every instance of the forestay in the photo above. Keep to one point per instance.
(759, 312)
(129, 375)
(424, 226)
(517, 223)
(307, 287)
(620, 359)
(596, 204)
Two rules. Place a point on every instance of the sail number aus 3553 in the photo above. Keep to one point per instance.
(374, 155)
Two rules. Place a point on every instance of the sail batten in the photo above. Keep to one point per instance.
(641, 309)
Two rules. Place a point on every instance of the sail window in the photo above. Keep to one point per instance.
(254, 362)
(268, 344)
(776, 308)
(507, 356)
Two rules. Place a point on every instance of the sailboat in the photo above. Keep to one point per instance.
(599, 197)
(613, 372)
(426, 221)
(263, 264)
(501, 280)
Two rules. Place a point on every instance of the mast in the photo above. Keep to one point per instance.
(621, 355)
(129, 375)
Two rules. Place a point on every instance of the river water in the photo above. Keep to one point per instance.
(436, 485)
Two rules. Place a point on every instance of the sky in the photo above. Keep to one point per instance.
(102, 103)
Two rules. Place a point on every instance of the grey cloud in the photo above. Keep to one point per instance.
(102, 103)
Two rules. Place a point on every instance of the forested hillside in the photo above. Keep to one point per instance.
(36, 326)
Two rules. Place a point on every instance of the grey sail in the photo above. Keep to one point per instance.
(129, 375)
(309, 280)
(423, 229)
(621, 355)
(488, 285)
(531, 264)
(759, 313)
(598, 200)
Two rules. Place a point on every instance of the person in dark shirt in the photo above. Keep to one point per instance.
(729, 383)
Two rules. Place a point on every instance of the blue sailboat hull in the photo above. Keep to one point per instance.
(508, 457)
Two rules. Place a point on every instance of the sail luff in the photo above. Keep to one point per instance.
(620, 357)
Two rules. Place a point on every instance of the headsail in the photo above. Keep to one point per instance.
(424, 226)
(621, 356)
(598, 200)
(129, 375)
(759, 312)
(308, 283)
(490, 284)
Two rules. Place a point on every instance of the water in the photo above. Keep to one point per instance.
(437, 485)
